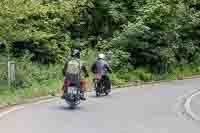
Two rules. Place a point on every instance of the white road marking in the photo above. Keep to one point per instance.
(188, 107)
(44, 101)
(11, 110)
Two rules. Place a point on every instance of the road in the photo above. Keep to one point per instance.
(154, 108)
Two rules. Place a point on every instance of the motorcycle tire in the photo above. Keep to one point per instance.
(106, 93)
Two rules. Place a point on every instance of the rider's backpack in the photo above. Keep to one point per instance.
(73, 71)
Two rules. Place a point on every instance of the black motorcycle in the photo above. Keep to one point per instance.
(72, 96)
(100, 87)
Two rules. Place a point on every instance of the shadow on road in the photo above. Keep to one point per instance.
(102, 96)
(67, 108)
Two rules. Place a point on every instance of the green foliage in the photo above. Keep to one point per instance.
(13, 96)
(158, 33)
(33, 80)
(162, 36)
(38, 27)
(31, 73)
(143, 39)
(119, 60)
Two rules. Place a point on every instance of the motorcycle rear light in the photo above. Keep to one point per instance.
(66, 83)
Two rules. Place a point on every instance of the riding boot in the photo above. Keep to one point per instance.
(82, 96)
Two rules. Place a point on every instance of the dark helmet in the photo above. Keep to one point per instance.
(75, 53)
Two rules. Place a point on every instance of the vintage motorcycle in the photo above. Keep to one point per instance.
(99, 85)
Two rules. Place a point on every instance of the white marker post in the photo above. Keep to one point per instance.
(11, 73)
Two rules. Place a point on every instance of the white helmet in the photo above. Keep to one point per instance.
(101, 56)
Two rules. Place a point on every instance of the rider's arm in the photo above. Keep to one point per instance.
(93, 68)
(108, 68)
(85, 71)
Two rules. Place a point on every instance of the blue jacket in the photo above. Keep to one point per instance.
(101, 67)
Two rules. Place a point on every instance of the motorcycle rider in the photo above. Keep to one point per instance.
(75, 79)
(102, 68)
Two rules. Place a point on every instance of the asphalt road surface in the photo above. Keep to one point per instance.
(154, 108)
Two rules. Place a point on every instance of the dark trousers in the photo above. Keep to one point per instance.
(107, 81)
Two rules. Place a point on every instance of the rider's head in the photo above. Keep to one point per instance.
(76, 53)
(101, 56)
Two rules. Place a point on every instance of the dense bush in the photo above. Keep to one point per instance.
(41, 27)
(156, 34)
(143, 40)
(164, 35)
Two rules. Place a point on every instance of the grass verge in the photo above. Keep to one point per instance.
(13, 96)
(42, 80)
